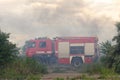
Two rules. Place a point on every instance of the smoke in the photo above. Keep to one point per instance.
(28, 19)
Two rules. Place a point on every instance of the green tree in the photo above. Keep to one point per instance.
(112, 52)
(112, 58)
(116, 56)
(8, 50)
(108, 49)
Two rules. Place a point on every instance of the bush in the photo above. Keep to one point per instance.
(8, 50)
(94, 68)
(22, 69)
(98, 68)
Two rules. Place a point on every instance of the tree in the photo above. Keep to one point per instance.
(116, 56)
(108, 49)
(112, 58)
(8, 50)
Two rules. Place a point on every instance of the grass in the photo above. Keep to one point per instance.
(58, 70)
(29, 69)
(93, 72)
(23, 69)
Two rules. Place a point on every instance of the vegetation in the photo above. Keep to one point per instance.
(116, 56)
(108, 50)
(8, 50)
(94, 72)
(23, 69)
(112, 52)
(16, 68)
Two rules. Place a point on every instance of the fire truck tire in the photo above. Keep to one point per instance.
(77, 62)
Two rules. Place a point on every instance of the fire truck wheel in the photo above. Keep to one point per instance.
(76, 62)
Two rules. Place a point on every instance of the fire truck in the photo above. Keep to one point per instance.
(64, 50)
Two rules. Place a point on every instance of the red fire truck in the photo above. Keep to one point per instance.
(64, 50)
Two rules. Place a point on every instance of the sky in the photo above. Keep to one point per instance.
(28, 19)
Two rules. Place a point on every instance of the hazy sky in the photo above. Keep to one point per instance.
(26, 19)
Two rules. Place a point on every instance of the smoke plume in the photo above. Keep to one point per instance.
(27, 19)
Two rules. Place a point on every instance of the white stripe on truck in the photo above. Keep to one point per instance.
(75, 44)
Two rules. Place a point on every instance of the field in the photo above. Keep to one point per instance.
(67, 72)
(60, 71)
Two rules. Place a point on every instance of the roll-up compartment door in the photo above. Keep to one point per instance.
(89, 49)
(63, 50)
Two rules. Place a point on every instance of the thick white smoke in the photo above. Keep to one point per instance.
(26, 19)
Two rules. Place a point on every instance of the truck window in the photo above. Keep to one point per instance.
(76, 49)
(31, 44)
(42, 44)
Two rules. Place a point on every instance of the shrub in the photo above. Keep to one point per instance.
(22, 69)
